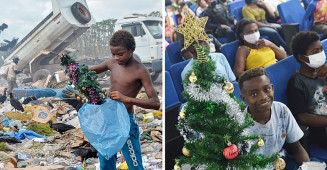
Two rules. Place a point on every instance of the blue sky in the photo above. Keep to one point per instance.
(22, 16)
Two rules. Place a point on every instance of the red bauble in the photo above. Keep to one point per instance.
(231, 152)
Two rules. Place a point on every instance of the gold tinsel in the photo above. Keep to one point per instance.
(202, 53)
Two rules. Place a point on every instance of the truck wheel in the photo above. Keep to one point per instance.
(81, 13)
(41, 74)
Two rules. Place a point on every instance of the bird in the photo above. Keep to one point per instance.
(15, 103)
(29, 99)
(9, 45)
(85, 152)
(3, 97)
(60, 127)
(70, 97)
(3, 26)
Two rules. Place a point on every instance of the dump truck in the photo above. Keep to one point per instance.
(68, 20)
(147, 32)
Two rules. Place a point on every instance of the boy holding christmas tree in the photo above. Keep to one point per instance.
(127, 77)
(272, 119)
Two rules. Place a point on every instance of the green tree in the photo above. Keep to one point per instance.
(95, 41)
(214, 122)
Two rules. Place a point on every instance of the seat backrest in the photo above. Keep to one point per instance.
(174, 53)
(279, 75)
(175, 72)
(238, 13)
(171, 98)
(229, 50)
(193, 8)
(235, 4)
(305, 3)
(291, 11)
(167, 61)
(175, 18)
(324, 45)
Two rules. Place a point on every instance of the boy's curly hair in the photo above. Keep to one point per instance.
(301, 42)
(250, 74)
(123, 38)
(240, 27)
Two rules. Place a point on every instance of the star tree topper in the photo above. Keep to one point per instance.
(193, 29)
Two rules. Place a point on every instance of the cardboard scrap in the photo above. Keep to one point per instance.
(42, 115)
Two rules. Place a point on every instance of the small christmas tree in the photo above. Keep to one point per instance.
(84, 80)
(214, 122)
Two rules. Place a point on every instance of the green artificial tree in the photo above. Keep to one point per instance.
(214, 122)
(84, 80)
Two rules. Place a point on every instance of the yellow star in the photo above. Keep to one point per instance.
(193, 29)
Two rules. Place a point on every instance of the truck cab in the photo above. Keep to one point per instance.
(68, 20)
(147, 32)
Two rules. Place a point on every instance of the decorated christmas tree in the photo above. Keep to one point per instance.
(84, 80)
(214, 122)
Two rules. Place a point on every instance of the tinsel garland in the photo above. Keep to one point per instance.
(188, 133)
(84, 80)
(233, 109)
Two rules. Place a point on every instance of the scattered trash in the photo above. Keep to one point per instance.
(23, 156)
(37, 146)
(148, 117)
(42, 115)
(9, 139)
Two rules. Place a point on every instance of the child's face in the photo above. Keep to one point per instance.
(314, 48)
(121, 54)
(258, 93)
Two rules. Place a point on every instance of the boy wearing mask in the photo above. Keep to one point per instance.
(307, 89)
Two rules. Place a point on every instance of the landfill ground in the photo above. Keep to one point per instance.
(71, 149)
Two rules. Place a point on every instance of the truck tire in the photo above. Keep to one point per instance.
(41, 74)
(81, 13)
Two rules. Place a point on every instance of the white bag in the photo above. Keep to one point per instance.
(313, 165)
(4, 71)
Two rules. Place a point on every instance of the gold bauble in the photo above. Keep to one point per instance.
(182, 115)
(83, 88)
(177, 167)
(193, 77)
(186, 152)
(78, 98)
(279, 164)
(261, 142)
(229, 87)
(83, 101)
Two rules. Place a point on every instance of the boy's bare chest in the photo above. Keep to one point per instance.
(124, 77)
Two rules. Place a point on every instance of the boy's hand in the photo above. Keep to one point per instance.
(322, 71)
(63, 55)
(116, 95)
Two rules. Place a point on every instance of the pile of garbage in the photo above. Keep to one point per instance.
(47, 134)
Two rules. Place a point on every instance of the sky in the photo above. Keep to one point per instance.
(22, 16)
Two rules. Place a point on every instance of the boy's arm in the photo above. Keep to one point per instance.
(299, 152)
(311, 120)
(104, 66)
(151, 103)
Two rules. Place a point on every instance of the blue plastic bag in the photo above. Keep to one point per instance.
(106, 126)
(22, 134)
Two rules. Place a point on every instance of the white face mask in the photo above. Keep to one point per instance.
(170, 14)
(252, 38)
(317, 60)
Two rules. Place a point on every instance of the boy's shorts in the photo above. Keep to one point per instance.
(131, 150)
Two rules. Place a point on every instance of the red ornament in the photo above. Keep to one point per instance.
(231, 152)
